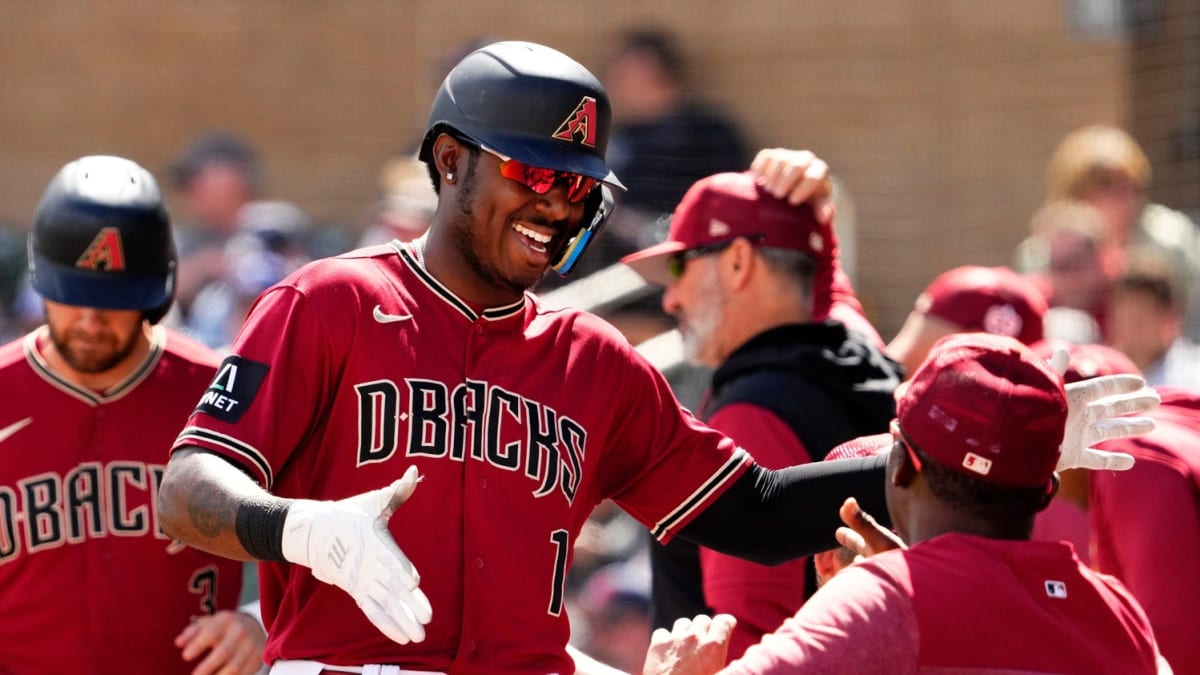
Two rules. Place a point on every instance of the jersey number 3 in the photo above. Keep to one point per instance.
(204, 584)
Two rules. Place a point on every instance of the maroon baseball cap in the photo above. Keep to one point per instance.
(988, 407)
(1087, 360)
(723, 207)
(863, 446)
(994, 300)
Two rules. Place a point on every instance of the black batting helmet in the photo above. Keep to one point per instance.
(538, 106)
(102, 238)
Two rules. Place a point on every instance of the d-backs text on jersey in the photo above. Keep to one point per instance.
(90, 501)
(474, 420)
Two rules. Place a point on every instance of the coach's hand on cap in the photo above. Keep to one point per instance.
(797, 176)
(346, 543)
(1098, 410)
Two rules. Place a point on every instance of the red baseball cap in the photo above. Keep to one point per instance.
(863, 446)
(723, 207)
(988, 407)
(1088, 360)
(994, 300)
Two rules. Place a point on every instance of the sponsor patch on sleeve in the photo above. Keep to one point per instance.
(233, 389)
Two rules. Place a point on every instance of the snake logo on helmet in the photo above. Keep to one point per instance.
(538, 106)
(102, 238)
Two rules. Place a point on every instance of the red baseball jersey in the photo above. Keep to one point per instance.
(960, 603)
(520, 420)
(1146, 524)
(88, 581)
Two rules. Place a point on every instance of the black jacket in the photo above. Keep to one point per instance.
(827, 384)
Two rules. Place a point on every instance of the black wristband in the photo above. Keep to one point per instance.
(259, 528)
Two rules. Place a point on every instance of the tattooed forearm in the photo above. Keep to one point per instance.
(199, 498)
(210, 509)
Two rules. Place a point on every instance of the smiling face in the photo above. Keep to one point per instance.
(496, 235)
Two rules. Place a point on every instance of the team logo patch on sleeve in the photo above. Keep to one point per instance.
(233, 389)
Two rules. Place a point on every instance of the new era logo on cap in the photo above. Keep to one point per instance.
(717, 228)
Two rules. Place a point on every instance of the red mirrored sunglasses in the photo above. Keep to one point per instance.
(542, 180)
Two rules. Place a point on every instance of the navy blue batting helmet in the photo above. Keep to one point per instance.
(538, 106)
(102, 238)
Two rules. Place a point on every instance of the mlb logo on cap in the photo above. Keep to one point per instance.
(1056, 589)
(980, 465)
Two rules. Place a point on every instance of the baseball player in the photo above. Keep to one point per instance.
(965, 299)
(90, 401)
(1156, 500)
(429, 360)
(972, 458)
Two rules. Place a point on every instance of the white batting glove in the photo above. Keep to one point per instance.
(346, 543)
(1095, 410)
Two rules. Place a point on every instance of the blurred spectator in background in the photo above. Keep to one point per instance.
(968, 299)
(664, 139)
(216, 175)
(1105, 167)
(1071, 257)
(14, 281)
(609, 536)
(407, 205)
(1146, 323)
(270, 243)
(612, 613)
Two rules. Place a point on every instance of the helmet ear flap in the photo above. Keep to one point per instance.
(596, 210)
(158, 313)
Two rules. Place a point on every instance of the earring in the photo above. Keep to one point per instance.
(449, 176)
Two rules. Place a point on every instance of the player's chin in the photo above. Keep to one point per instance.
(528, 278)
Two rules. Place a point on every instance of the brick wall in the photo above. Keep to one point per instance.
(1165, 100)
(937, 115)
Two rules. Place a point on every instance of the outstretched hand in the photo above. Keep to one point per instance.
(1099, 409)
(692, 647)
(347, 543)
(863, 534)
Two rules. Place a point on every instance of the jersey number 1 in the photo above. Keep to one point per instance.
(561, 540)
